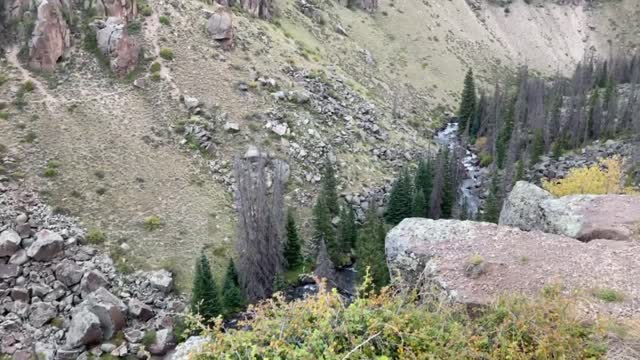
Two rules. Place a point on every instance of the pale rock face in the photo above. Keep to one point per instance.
(124, 9)
(258, 8)
(583, 217)
(51, 36)
(117, 45)
(9, 242)
(220, 25)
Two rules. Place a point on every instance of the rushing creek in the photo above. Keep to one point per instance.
(470, 185)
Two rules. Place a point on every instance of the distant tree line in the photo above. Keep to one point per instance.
(528, 116)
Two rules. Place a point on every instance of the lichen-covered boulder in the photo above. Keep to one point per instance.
(584, 217)
(115, 43)
(475, 263)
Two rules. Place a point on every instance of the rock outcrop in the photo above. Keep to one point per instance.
(220, 27)
(60, 299)
(440, 252)
(368, 5)
(124, 9)
(51, 36)
(259, 8)
(583, 217)
(115, 43)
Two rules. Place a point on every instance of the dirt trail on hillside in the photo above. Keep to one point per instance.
(47, 98)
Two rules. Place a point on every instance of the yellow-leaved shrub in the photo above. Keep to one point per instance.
(605, 177)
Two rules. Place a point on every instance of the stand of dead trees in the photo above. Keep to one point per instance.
(260, 184)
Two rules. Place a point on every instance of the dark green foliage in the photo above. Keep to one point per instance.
(293, 245)
(401, 199)
(278, 283)
(323, 229)
(329, 189)
(419, 205)
(504, 137)
(232, 297)
(370, 249)
(519, 171)
(492, 204)
(464, 210)
(204, 299)
(347, 230)
(424, 185)
(449, 189)
(537, 148)
(468, 102)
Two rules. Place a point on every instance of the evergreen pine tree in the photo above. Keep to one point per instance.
(419, 204)
(449, 190)
(370, 249)
(492, 204)
(204, 299)
(504, 137)
(293, 245)
(467, 103)
(279, 284)
(537, 149)
(323, 229)
(232, 297)
(347, 230)
(329, 188)
(519, 171)
(424, 184)
(464, 210)
(401, 199)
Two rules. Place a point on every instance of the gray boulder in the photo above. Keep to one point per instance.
(8, 271)
(220, 25)
(68, 272)
(583, 217)
(9, 242)
(140, 310)
(84, 329)
(164, 342)
(436, 255)
(45, 351)
(48, 245)
(92, 281)
(161, 280)
(19, 258)
(108, 308)
(192, 344)
(41, 313)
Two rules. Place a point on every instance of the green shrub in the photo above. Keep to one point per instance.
(476, 260)
(405, 326)
(57, 322)
(152, 222)
(134, 27)
(166, 54)
(99, 174)
(156, 76)
(486, 159)
(149, 338)
(95, 236)
(101, 190)
(29, 137)
(53, 164)
(164, 20)
(3, 79)
(155, 67)
(49, 173)
(4, 115)
(28, 86)
(608, 295)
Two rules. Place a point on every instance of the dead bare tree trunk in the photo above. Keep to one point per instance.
(260, 184)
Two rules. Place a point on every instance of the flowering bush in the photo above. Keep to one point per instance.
(399, 325)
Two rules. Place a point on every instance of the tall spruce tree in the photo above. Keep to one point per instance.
(467, 103)
(419, 204)
(401, 199)
(232, 297)
(329, 188)
(492, 204)
(537, 148)
(449, 190)
(293, 245)
(205, 300)
(347, 230)
(370, 249)
(423, 184)
(323, 229)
